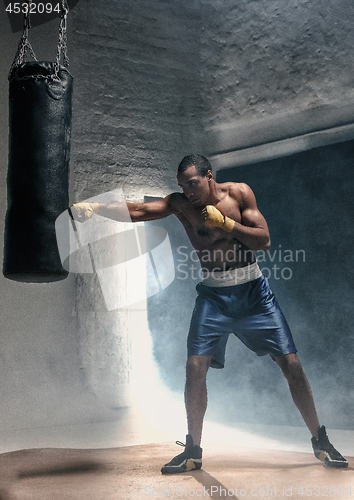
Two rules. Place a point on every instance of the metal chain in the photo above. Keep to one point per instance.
(62, 44)
(21, 54)
(24, 45)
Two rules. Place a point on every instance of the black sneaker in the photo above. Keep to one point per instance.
(190, 459)
(325, 451)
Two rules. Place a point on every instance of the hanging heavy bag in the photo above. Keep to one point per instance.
(38, 169)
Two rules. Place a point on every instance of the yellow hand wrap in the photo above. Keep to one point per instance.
(217, 218)
(84, 210)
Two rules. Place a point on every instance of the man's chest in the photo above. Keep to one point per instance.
(202, 234)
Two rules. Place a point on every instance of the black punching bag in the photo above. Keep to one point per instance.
(38, 169)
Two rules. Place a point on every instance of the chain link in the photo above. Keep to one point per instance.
(21, 54)
(24, 46)
(62, 44)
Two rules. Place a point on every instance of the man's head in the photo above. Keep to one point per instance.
(194, 176)
(201, 164)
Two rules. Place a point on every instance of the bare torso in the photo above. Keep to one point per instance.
(216, 248)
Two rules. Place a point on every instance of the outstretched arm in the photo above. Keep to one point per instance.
(252, 231)
(126, 212)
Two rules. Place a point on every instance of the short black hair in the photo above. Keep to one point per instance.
(201, 164)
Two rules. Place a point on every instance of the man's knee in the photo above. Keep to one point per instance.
(197, 366)
(291, 367)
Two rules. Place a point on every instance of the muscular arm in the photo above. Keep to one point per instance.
(134, 212)
(253, 229)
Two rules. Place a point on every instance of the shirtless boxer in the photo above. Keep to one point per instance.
(234, 297)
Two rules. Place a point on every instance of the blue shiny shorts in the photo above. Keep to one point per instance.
(250, 311)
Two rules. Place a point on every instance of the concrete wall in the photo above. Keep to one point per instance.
(137, 94)
(261, 58)
(64, 357)
(151, 80)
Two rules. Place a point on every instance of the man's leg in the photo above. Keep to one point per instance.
(302, 397)
(300, 390)
(195, 394)
(196, 403)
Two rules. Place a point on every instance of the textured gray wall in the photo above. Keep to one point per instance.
(150, 77)
(137, 101)
(265, 57)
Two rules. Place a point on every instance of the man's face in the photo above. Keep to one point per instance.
(195, 187)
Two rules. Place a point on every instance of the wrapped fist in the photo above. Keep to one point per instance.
(217, 218)
(83, 211)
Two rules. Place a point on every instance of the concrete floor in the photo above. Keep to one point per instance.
(133, 472)
(122, 460)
